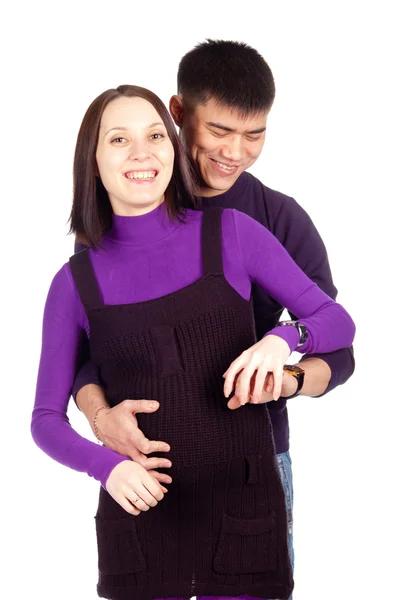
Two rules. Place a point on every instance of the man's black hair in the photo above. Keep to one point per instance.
(232, 73)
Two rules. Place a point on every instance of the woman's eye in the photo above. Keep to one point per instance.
(119, 140)
(157, 136)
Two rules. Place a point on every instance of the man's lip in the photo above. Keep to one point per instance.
(224, 173)
(222, 162)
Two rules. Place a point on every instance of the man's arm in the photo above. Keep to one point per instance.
(296, 231)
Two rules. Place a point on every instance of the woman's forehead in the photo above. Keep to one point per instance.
(129, 112)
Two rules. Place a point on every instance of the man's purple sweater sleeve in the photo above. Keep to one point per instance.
(293, 227)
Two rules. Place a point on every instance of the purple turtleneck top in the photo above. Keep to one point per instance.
(149, 256)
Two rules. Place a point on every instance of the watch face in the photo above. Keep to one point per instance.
(294, 370)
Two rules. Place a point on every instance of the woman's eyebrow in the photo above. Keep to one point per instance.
(125, 128)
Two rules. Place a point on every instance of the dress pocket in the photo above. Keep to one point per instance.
(246, 546)
(119, 550)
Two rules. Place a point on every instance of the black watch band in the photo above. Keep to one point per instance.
(301, 328)
(298, 374)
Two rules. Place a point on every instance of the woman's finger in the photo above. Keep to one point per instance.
(269, 383)
(243, 382)
(153, 487)
(278, 380)
(128, 506)
(260, 380)
(137, 497)
(231, 373)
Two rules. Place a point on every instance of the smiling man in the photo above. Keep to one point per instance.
(221, 142)
(225, 94)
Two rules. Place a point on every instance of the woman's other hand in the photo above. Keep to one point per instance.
(134, 488)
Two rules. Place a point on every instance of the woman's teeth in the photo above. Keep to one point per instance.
(141, 174)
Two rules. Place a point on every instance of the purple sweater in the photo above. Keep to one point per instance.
(146, 257)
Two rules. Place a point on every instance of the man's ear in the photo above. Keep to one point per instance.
(176, 107)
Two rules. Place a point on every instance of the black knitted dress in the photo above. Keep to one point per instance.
(222, 528)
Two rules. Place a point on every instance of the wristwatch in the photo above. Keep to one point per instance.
(298, 374)
(300, 328)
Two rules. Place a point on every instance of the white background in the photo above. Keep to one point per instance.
(331, 144)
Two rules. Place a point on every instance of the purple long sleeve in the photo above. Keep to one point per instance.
(144, 258)
(329, 325)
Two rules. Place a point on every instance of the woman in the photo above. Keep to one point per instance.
(164, 294)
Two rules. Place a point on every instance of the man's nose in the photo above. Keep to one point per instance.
(233, 149)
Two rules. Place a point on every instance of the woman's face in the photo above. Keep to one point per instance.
(134, 155)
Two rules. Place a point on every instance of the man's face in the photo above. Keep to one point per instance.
(221, 143)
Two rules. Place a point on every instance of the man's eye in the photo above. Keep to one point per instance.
(219, 135)
(119, 140)
(253, 139)
(157, 136)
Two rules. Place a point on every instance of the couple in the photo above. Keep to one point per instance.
(163, 292)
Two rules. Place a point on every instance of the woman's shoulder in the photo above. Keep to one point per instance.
(62, 287)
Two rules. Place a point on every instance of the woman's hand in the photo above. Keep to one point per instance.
(134, 488)
(248, 373)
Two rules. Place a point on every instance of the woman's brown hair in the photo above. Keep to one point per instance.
(91, 213)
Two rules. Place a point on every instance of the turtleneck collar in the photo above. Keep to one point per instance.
(143, 229)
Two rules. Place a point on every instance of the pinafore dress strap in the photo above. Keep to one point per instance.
(212, 241)
(85, 280)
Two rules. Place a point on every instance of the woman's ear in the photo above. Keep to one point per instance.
(176, 107)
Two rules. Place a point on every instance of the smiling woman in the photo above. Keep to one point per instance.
(128, 159)
(135, 159)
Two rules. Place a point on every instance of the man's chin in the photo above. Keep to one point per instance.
(218, 185)
(222, 184)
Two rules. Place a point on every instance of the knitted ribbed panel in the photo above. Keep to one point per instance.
(222, 528)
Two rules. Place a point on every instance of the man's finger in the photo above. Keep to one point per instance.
(142, 406)
(148, 446)
(154, 463)
(161, 477)
(234, 403)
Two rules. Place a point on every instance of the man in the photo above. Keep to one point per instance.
(225, 93)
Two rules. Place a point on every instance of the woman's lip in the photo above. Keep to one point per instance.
(141, 181)
(141, 171)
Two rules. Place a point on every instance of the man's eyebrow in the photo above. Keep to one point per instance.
(126, 129)
(224, 128)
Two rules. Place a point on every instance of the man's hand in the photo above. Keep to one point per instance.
(118, 429)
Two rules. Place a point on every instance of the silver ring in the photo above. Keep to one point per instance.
(136, 500)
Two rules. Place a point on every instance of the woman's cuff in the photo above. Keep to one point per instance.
(104, 462)
(289, 334)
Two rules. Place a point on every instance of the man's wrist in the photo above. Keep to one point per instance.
(297, 374)
(89, 399)
(95, 423)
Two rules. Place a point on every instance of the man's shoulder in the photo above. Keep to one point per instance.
(271, 196)
(277, 204)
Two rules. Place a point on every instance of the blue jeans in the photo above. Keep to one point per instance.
(285, 469)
